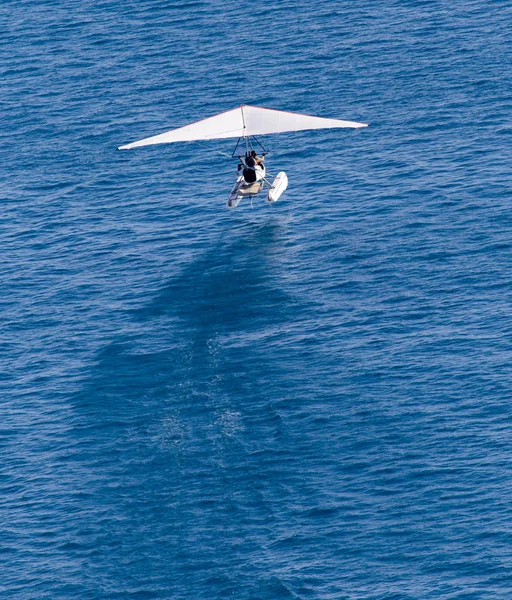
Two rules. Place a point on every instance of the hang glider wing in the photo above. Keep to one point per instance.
(243, 121)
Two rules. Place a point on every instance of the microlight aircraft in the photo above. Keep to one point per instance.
(245, 123)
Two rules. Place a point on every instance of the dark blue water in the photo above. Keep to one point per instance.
(303, 401)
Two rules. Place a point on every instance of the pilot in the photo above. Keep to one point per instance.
(257, 159)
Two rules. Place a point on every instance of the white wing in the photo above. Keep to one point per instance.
(243, 122)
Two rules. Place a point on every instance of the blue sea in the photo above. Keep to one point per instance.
(303, 401)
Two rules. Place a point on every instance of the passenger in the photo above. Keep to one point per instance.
(249, 160)
(249, 171)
